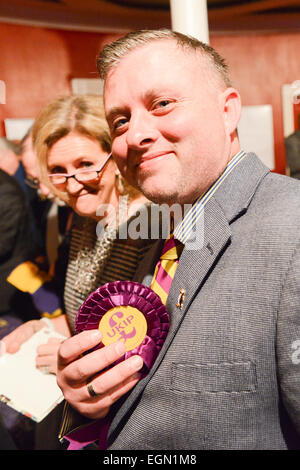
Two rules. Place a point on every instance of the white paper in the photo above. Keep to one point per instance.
(29, 391)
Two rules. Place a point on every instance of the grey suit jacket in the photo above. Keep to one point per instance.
(228, 376)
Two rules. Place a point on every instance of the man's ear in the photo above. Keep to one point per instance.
(230, 102)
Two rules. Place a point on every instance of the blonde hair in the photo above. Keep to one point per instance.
(80, 113)
(112, 53)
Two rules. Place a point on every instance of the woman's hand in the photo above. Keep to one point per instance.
(46, 359)
(14, 340)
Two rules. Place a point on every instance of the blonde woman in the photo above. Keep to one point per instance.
(72, 143)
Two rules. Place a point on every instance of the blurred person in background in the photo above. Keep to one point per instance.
(16, 235)
(15, 242)
(16, 307)
(26, 214)
(26, 234)
(19, 160)
(38, 195)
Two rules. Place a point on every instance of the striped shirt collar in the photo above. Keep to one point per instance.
(186, 227)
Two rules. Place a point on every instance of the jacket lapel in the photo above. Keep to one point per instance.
(229, 202)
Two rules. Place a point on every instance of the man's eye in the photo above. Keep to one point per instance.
(119, 123)
(163, 103)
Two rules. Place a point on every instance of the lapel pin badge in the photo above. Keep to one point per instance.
(180, 299)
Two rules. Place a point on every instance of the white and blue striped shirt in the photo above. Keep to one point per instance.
(185, 228)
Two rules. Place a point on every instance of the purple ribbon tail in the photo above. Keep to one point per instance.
(85, 435)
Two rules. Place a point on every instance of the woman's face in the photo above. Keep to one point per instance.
(74, 153)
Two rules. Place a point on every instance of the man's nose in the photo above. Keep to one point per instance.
(141, 132)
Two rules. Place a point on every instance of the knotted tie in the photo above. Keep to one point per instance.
(166, 267)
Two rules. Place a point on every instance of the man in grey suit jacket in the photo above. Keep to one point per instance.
(228, 375)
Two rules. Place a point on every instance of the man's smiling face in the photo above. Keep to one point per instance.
(165, 109)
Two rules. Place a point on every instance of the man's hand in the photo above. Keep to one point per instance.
(75, 371)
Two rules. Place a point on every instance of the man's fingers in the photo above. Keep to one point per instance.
(77, 368)
(91, 409)
(90, 364)
(109, 387)
(73, 347)
(117, 376)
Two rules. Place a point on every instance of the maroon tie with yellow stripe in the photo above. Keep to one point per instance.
(166, 267)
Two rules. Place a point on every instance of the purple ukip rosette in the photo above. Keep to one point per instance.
(128, 311)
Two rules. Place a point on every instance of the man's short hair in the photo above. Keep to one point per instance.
(112, 53)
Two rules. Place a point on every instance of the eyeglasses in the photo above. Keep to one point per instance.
(84, 176)
(32, 182)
